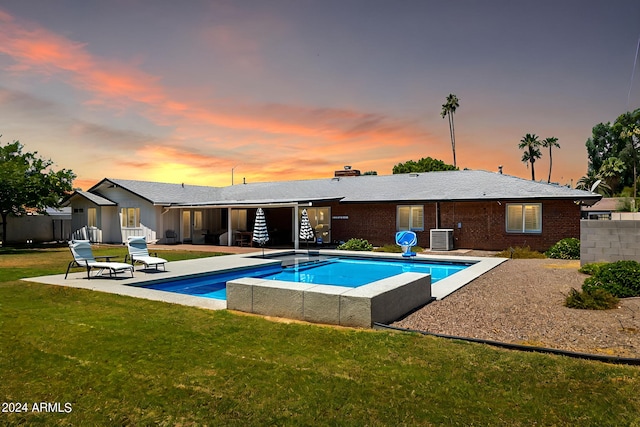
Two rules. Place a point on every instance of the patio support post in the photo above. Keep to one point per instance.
(296, 228)
(229, 231)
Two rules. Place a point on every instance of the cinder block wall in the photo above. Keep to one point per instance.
(609, 241)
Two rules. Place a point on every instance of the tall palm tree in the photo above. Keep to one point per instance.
(550, 142)
(531, 146)
(448, 109)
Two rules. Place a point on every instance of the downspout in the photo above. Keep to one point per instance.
(437, 215)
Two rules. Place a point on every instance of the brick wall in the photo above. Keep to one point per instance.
(476, 225)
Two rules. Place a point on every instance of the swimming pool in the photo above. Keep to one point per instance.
(337, 271)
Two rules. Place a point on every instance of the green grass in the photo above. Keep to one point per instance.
(126, 361)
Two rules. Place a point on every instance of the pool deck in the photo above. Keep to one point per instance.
(124, 284)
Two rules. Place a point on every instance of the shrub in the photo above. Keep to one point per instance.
(592, 268)
(395, 249)
(356, 245)
(519, 252)
(568, 248)
(591, 299)
(620, 278)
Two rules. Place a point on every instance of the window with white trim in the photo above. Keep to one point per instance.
(410, 218)
(92, 217)
(130, 217)
(524, 217)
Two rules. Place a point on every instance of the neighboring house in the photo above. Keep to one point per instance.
(32, 227)
(602, 209)
(480, 210)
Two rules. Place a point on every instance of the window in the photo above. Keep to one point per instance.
(130, 217)
(410, 218)
(197, 220)
(524, 218)
(320, 220)
(239, 219)
(92, 217)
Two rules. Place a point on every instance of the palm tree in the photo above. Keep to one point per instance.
(448, 109)
(611, 172)
(550, 143)
(531, 146)
(594, 182)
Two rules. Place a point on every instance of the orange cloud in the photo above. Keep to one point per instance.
(118, 85)
(271, 141)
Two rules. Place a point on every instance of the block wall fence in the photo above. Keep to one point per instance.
(609, 241)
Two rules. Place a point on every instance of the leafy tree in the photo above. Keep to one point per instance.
(614, 140)
(531, 146)
(448, 110)
(27, 181)
(631, 134)
(550, 143)
(425, 164)
(370, 173)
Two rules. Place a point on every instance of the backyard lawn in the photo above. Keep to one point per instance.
(79, 357)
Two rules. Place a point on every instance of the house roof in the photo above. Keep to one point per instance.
(92, 197)
(159, 193)
(606, 204)
(463, 185)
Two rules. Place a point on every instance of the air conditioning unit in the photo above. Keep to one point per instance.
(441, 239)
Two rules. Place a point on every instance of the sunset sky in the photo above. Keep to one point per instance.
(186, 92)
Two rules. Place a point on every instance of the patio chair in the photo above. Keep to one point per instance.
(83, 258)
(171, 237)
(138, 252)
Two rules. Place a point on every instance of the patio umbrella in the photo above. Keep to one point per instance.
(260, 233)
(306, 232)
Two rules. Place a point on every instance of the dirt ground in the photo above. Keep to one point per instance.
(522, 301)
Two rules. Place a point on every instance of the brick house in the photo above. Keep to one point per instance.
(471, 209)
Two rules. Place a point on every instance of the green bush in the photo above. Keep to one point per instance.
(568, 248)
(620, 278)
(591, 299)
(356, 245)
(520, 253)
(395, 249)
(592, 268)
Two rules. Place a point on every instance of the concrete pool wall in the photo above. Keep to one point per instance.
(382, 301)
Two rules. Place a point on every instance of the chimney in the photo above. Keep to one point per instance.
(347, 172)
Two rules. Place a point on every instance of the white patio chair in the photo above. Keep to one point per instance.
(138, 252)
(83, 258)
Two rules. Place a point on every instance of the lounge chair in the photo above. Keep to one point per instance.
(139, 253)
(83, 258)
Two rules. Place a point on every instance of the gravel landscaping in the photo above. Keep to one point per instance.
(522, 301)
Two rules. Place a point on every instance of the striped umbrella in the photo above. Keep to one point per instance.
(260, 233)
(306, 232)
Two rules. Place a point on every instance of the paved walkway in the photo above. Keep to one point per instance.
(241, 257)
(124, 284)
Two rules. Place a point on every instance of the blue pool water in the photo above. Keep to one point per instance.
(348, 272)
